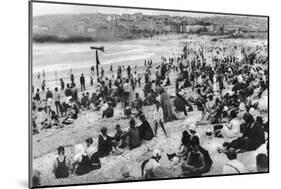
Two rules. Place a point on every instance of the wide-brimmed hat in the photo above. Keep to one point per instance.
(79, 152)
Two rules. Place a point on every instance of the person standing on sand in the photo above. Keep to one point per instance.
(166, 105)
(57, 101)
(127, 90)
(82, 82)
(49, 97)
(158, 117)
(129, 71)
(72, 79)
(92, 70)
(62, 85)
(91, 81)
(43, 98)
(102, 72)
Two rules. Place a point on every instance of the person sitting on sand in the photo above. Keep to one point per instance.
(105, 144)
(252, 138)
(55, 120)
(151, 168)
(109, 112)
(43, 119)
(158, 117)
(91, 151)
(233, 166)
(180, 103)
(192, 131)
(231, 129)
(138, 102)
(146, 132)
(148, 166)
(72, 112)
(36, 178)
(242, 111)
(62, 164)
(85, 101)
(209, 107)
(184, 148)
(134, 135)
(262, 163)
(195, 162)
(81, 161)
(120, 137)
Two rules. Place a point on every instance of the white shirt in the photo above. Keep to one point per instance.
(233, 167)
(158, 114)
(56, 96)
(127, 87)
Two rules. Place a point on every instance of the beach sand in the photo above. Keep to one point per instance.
(88, 124)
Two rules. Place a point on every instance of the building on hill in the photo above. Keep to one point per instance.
(39, 29)
(172, 27)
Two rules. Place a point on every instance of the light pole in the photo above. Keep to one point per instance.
(97, 57)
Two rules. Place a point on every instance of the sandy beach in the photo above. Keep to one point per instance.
(88, 124)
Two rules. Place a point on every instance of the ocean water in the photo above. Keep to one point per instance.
(57, 60)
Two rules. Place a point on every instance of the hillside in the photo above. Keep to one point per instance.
(109, 27)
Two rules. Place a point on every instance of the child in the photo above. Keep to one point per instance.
(134, 135)
(62, 164)
(183, 149)
(120, 137)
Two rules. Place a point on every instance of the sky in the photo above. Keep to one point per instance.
(49, 9)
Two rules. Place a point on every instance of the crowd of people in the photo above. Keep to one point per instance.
(227, 83)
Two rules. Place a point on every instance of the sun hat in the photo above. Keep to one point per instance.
(225, 108)
(79, 152)
(156, 153)
(252, 111)
(175, 160)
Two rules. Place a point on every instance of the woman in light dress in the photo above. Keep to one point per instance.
(231, 129)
